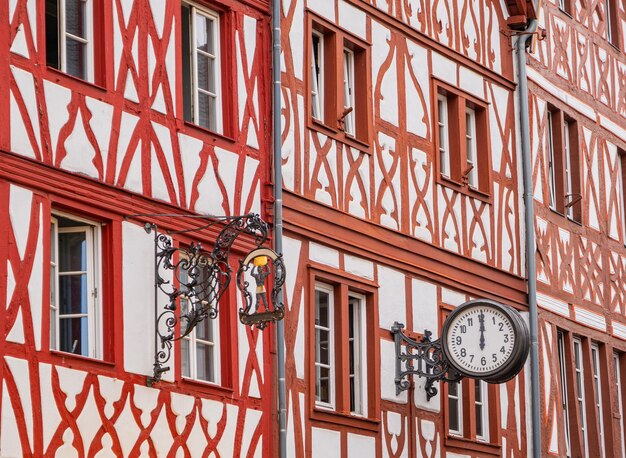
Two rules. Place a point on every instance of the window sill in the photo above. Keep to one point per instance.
(330, 416)
(564, 217)
(340, 136)
(61, 77)
(461, 444)
(200, 386)
(464, 189)
(74, 361)
(204, 131)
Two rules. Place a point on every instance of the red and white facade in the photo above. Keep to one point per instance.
(380, 214)
(577, 85)
(98, 151)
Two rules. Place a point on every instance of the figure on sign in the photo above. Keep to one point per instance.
(260, 272)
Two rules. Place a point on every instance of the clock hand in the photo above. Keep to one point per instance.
(481, 318)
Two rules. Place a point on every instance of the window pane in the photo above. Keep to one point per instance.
(321, 309)
(187, 59)
(73, 338)
(72, 252)
(205, 363)
(75, 17)
(322, 388)
(73, 294)
(205, 34)
(185, 357)
(453, 413)
(53, 329)
(322, 353)
(204, 71)
(52, 34)
(206, 110)
(204, 330)
(76, 58)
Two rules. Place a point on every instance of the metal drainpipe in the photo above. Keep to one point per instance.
(529, 225)
(278, 224)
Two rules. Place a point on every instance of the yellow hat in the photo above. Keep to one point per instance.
(260, 261)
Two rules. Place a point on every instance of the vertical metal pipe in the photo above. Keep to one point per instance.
(278, 223)
(529, 225)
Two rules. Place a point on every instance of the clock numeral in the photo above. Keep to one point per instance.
(483, 361)
(494, 319)
(501, 326)
(470, 321)
(502, 350)
(463, 352)
(463, 329)
(506, 338)
(471, 358)
(458, 340)
(494, 357)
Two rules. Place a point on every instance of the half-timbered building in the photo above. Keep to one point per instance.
(402, 200)
(577, 99)
(112, 109)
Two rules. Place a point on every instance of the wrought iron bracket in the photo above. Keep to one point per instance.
(424, 359)
(193, 280)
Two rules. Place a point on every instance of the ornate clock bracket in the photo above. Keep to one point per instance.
(424, 359)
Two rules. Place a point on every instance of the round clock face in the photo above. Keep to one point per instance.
(481, 339)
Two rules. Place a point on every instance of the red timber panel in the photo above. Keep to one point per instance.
(127, 130)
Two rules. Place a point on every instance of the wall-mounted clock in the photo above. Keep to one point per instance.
(486, 340)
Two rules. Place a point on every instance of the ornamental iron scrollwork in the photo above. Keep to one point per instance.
(195, 279)
(424, 359)
(258, 309)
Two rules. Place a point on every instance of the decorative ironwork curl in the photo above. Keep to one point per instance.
(429, 356)
(196, 279)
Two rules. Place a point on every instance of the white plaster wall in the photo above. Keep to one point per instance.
(391, 297)
(325, 443)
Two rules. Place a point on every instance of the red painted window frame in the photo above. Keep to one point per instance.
(458, 100)
(335, 40)
(469, 441)
(344, 283)
(111, 274)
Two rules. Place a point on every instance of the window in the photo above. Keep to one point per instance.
(455, 408)
(201, 67)
(200, 358)
(564, 407)
(620, 401)
(580, 391)
(324, 346)
(463, 394)
(462, 135)
(611, 22)
(564, 5)
(342, 379)
(595, 360)
(70, 37)
(338, 82)
(563, 165)
(75, 267)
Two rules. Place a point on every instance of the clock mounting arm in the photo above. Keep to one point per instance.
(424, 358)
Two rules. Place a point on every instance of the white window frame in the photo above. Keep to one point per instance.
(608, 21)
(595, 359)
(564, 402)
(328, 289)
(444, 146)
(580, 379)
(93, 241)
(471, 147)
(192, 340)
(360, 352)
(195, 10)
(317, 78)
(63, 34)
(551, 177)
(483, 405)
(459, 399)
(569, 209)
(348, 91)
(620, 401)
